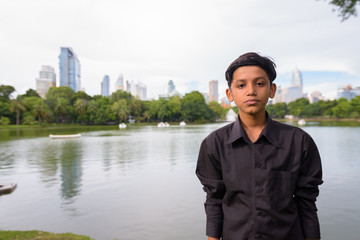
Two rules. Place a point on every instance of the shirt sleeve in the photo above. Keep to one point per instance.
(208, 171)
(307, 190)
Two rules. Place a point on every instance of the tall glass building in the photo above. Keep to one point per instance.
(105, 86)
(213, 91)
(69, 69)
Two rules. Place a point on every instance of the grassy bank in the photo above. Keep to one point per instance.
(39, 235)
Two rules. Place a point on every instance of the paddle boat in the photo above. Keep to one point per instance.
(64, 136)
(7, 188)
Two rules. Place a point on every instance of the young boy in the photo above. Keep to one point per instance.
(261, 177)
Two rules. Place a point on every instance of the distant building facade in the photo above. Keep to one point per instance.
(105, 86)
(47, 79)
(315, 97)
(137, 90)
(291, 93)
(69, 69)
(213, 91)
(171, 88)
(348, 92)
(206, 97)
(225, 103)
(119, 85)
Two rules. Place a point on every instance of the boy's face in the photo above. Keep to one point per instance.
(250, 90)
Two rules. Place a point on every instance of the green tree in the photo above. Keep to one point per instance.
(80, 95)
(312, 110)
(343, 109)
(99, 110)
(277, 110)
(17, 106)
(194, 108)
(62, 110)
(135, 108)
(5, 95)
(218, 112)
(355, 103)
(120, 94)
(41, 110)
(174, 108)
(326, 107)
(120, 109)
(80, 107)
(5, 92)
(55, 93)
(347, 8)
(296, 107)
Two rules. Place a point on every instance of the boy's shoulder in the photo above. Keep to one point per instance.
(221, 133)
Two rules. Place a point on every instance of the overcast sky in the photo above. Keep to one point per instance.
(188, 41)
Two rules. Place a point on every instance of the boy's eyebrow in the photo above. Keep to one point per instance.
(258, 78)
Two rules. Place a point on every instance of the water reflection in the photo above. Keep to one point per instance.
(140, 183)
(71, 168)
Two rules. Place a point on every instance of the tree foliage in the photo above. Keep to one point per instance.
(62, 105)
(346, 8)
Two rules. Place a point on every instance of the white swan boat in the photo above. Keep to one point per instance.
(301, 122)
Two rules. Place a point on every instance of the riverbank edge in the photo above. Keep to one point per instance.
(21, 235)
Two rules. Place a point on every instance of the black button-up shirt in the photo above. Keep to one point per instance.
(261, 190)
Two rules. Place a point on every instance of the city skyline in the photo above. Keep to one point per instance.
(153, 42)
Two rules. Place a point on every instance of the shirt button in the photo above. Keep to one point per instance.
(260, 190)
(261, 213)
(260, 236)
(258, 165)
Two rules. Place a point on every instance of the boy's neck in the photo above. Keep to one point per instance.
(253, 124)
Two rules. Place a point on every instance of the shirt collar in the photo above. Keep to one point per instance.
(269, 132)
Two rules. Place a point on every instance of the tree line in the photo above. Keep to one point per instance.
(63, 105)
(338, 108)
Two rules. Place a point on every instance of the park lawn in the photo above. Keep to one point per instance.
(39, 235)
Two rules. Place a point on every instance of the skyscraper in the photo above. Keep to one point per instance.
(291, 93)
(47, 79)
(69, 69)
(213, 90)
(120, 83)
(105, 86)
(297, 79)
(171, 88)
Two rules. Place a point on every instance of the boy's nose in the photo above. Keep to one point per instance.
(251, 90)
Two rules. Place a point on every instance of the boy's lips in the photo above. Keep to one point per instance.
(251, 101)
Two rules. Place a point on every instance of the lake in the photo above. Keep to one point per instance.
(139, 183)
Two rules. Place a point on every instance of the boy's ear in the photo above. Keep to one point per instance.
(272, 90)
(229, 95)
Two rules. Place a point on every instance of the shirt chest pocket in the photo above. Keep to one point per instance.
(282, 187)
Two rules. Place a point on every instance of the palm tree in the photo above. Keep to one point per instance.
(17, 106)
(40, 110)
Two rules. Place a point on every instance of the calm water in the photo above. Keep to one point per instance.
(139, 183)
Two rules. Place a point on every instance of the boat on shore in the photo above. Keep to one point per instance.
(64, 136)
(7, 188)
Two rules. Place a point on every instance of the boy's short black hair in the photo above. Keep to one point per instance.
(251, 59)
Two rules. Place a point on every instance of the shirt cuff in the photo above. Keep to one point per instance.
(214, 229)
(312, 231)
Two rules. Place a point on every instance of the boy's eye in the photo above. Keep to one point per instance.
(260, 84)
(241, 85)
